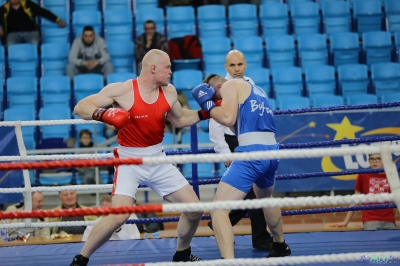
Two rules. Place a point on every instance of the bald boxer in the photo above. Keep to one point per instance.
(246, 110)
(140, 108)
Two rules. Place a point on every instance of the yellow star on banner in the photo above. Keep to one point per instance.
(312, 124)
(345, 129)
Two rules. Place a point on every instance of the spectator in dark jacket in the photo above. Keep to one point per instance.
(150, 39)
(18, 21)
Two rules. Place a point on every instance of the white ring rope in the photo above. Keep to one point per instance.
(241, 156)
(257, 204)
(48, 122)
(57, 157)
(293, 260)
(58, 189)
(46, 225)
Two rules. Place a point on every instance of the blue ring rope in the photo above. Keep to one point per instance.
(336, 108)
(303, 145)
(284, 213)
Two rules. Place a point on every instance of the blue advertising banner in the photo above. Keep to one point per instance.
(331, 126)
(13, 178)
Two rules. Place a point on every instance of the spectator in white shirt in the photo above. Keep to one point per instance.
(125, 232)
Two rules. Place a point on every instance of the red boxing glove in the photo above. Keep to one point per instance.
(112, 116)
(203, 115)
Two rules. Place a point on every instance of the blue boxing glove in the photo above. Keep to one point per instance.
(204, 95)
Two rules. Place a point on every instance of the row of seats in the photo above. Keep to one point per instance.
(321, 79)
(241, 19)
(23, 93)
(23, 59)
(308, 50)
(94, 4)
(280, 50)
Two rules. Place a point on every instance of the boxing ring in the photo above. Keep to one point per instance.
(340, 248)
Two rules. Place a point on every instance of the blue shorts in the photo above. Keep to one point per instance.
(243, 174)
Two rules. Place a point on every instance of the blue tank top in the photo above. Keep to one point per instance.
(255, 114)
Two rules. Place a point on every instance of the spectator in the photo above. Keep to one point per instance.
(37, 204)
(372, 183)
(69, 201)
(150, 39)
(18, 21)
(89, 55)
(125, 232)
(88, 174)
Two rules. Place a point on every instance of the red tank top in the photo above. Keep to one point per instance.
(146, 126)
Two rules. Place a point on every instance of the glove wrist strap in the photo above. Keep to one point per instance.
(208, 106)
(98, 114)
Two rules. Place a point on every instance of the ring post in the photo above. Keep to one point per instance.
(195, 148)
(391, 173)
(25, 172)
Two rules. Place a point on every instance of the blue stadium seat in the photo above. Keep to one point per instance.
(168, 141)
(23, 60)
(344, 48)
(122, 56)
(305, 17)
(260, 76)
(118, 25)
(186, 80)
(54, 58)
(357, 99)
(287, 81)
(22, 92)
(55, 179)
(85, 4)
(269, 1)
(87, 84)
(180, 21)
(336, 17)
(320, 80)
(272, 103)
(252, 47)
(116, 4)
(397, 44)
(55, 90)
(139, 4)
(243, 20)
(367, 15)
(326, 100)
(291, 2)
(155, 14)
(82, 18)
(211, 20)
(55, 4)
(56, 35)
(120, 77)
(60, 12)
(377, 47)
(385, 78)
(55, 113)
(28, 133)
(392, 10)
(280, 51)
(353, 79)
(274, 19)
(205, 170)
(214, 51)
(216, 70)
(312, 50)
(293, 102)
(390, 97)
